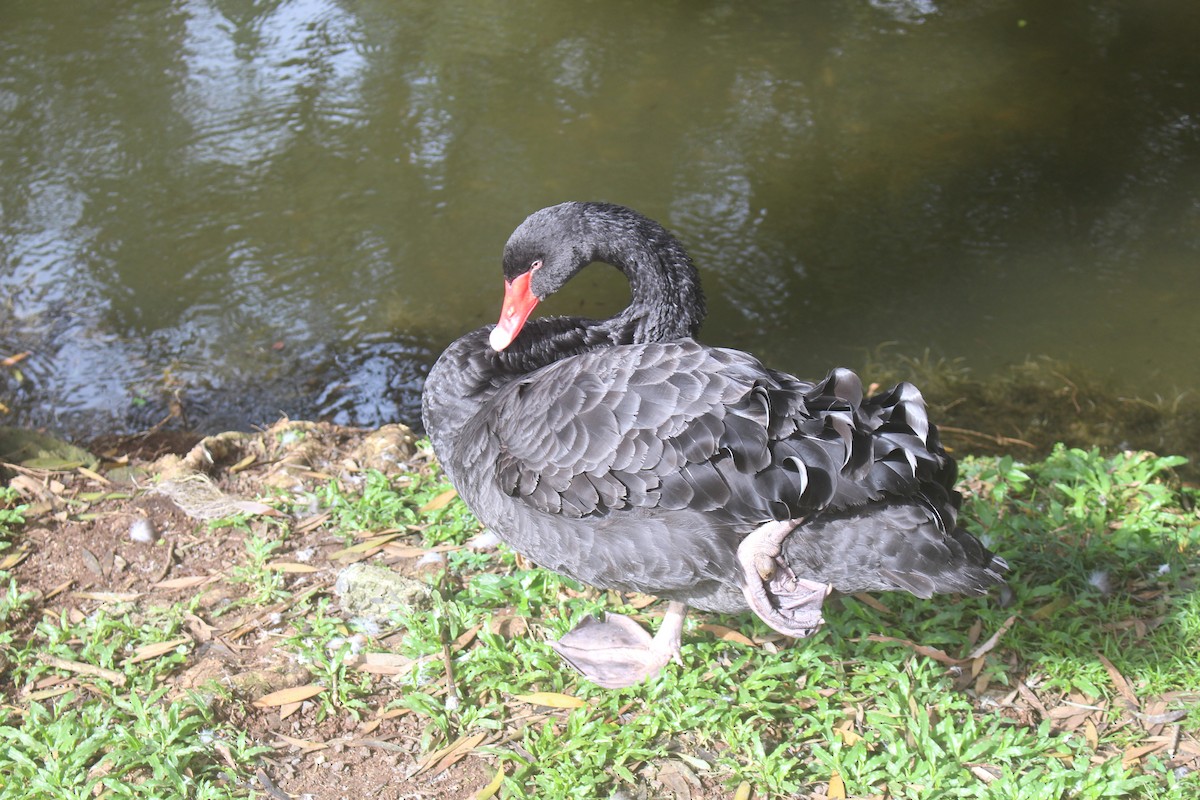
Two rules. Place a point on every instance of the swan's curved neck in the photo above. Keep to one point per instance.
(666, 302)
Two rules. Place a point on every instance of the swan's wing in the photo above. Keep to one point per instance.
(679, 425)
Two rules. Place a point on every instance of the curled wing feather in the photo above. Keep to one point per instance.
(679, 425)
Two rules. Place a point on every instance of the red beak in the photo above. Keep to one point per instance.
(518, 305)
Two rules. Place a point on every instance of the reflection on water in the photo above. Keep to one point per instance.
(291, 207)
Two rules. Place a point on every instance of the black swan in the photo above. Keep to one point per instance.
(625, 454)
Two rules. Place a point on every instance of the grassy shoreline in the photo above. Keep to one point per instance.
(1081, 682)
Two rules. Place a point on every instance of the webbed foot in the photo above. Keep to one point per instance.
(789, 604)
(617, 652)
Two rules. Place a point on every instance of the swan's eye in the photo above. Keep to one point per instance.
(536, 265)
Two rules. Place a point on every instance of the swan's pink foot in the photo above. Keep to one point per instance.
(618, 652)
(788, 604)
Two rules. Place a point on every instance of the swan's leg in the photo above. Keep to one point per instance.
(618, 652)
(788, 604)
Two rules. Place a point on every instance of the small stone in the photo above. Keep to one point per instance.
(376, 593)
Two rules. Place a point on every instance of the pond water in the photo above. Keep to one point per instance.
(240, 209)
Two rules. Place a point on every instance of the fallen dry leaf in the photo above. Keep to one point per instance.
(1031, 698)
(551, 700)
(726, 634)
(1091, 734)
(305, 745)
(255, 507)
(466, 637)
(149, 651)
(492, 787)
(364, 534)
(678, 779)
(837, 788)
(845, 731)
(29, 488)
(295, 694)
(91, 562)
(92, 474)
(383, 663)
(245, 462)
(11, 560)
(450, 754)
(984, 774)
(412, 551)
(509, 626)
(868, 600)
(1122, 685)
(1164, 718)
(367, 545)
(108, 597)
(987, 646)
(441, 501)
(80, 668)
(937, 655)
(189, 582)
(315, 521)
(291, 567)
(1071, 716)
(46, 694)
(639, 601)
(1133, 754)
(975, 632)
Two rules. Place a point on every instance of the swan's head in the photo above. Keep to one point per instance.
(545, 251)
(552, 245)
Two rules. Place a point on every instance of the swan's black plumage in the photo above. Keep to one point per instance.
(627, 455)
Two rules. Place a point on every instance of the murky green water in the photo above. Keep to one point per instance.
(272, 207)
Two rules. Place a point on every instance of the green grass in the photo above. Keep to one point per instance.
(385, 502)
(322, 642)
(883, 719)
(863, 704)
(122, 737)
(120, 745)
(263, 585)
